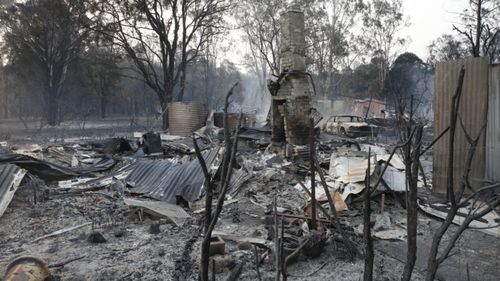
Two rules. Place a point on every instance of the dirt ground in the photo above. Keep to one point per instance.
(14, 129)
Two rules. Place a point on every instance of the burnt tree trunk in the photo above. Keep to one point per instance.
(165, 118)
(104, 105)
(412, 166)
(479, 30)
(182, 84)
(51, 106)
(367, 236)
(165, 97)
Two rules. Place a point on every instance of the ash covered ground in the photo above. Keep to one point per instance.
(140, 245)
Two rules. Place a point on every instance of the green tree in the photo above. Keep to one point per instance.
(382, 22)
(446, 47)
(361, 82)
(102, 74)
(330, 28)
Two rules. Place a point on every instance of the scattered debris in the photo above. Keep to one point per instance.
(154, 228)
(95, 237)
(150, 195)
(52, 171)
(10, 179)
(217, 246)
(489, 223)
(61, 231)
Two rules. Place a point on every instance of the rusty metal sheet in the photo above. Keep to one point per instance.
(493, 129)
(473, 111)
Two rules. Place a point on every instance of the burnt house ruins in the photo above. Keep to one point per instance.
(199, 186)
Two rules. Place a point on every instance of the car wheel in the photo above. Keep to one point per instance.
(343, 132)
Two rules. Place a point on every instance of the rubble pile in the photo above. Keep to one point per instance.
(98, 207)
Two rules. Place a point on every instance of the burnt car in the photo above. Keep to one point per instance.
(350, 126)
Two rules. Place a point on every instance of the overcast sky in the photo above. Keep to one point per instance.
(429, 19)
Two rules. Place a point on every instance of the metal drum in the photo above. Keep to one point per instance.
(27, 269)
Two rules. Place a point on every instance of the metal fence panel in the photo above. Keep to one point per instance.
(493, 130)
(473, 111)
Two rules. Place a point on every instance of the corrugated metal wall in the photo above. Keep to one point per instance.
(185, 117)
(493, 131)
(473, 110)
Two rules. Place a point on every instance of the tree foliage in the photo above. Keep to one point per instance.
(50, 33)
(382, 22)
(480, 29)
(410, 78)
(446, 47)
(102, 74)
(331, 39)
(260, 22)
(109, 54)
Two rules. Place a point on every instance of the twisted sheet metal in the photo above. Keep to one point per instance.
(52, 171)
(10, 178)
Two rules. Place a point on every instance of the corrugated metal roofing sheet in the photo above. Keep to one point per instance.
(10, 178)
(238, 178)
(53, 171)
(165, 180)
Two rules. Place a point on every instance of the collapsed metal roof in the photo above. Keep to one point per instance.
(52, 171)
(165, 180)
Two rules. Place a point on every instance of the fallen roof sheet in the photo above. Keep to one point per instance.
(488, 224)
(51, 171)
(164, 180)
(171, 211)
(395, 179)
(396, 160)
(10, 178)
(397, 233)
(350, 169)
(259, 134)
(102, 181)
